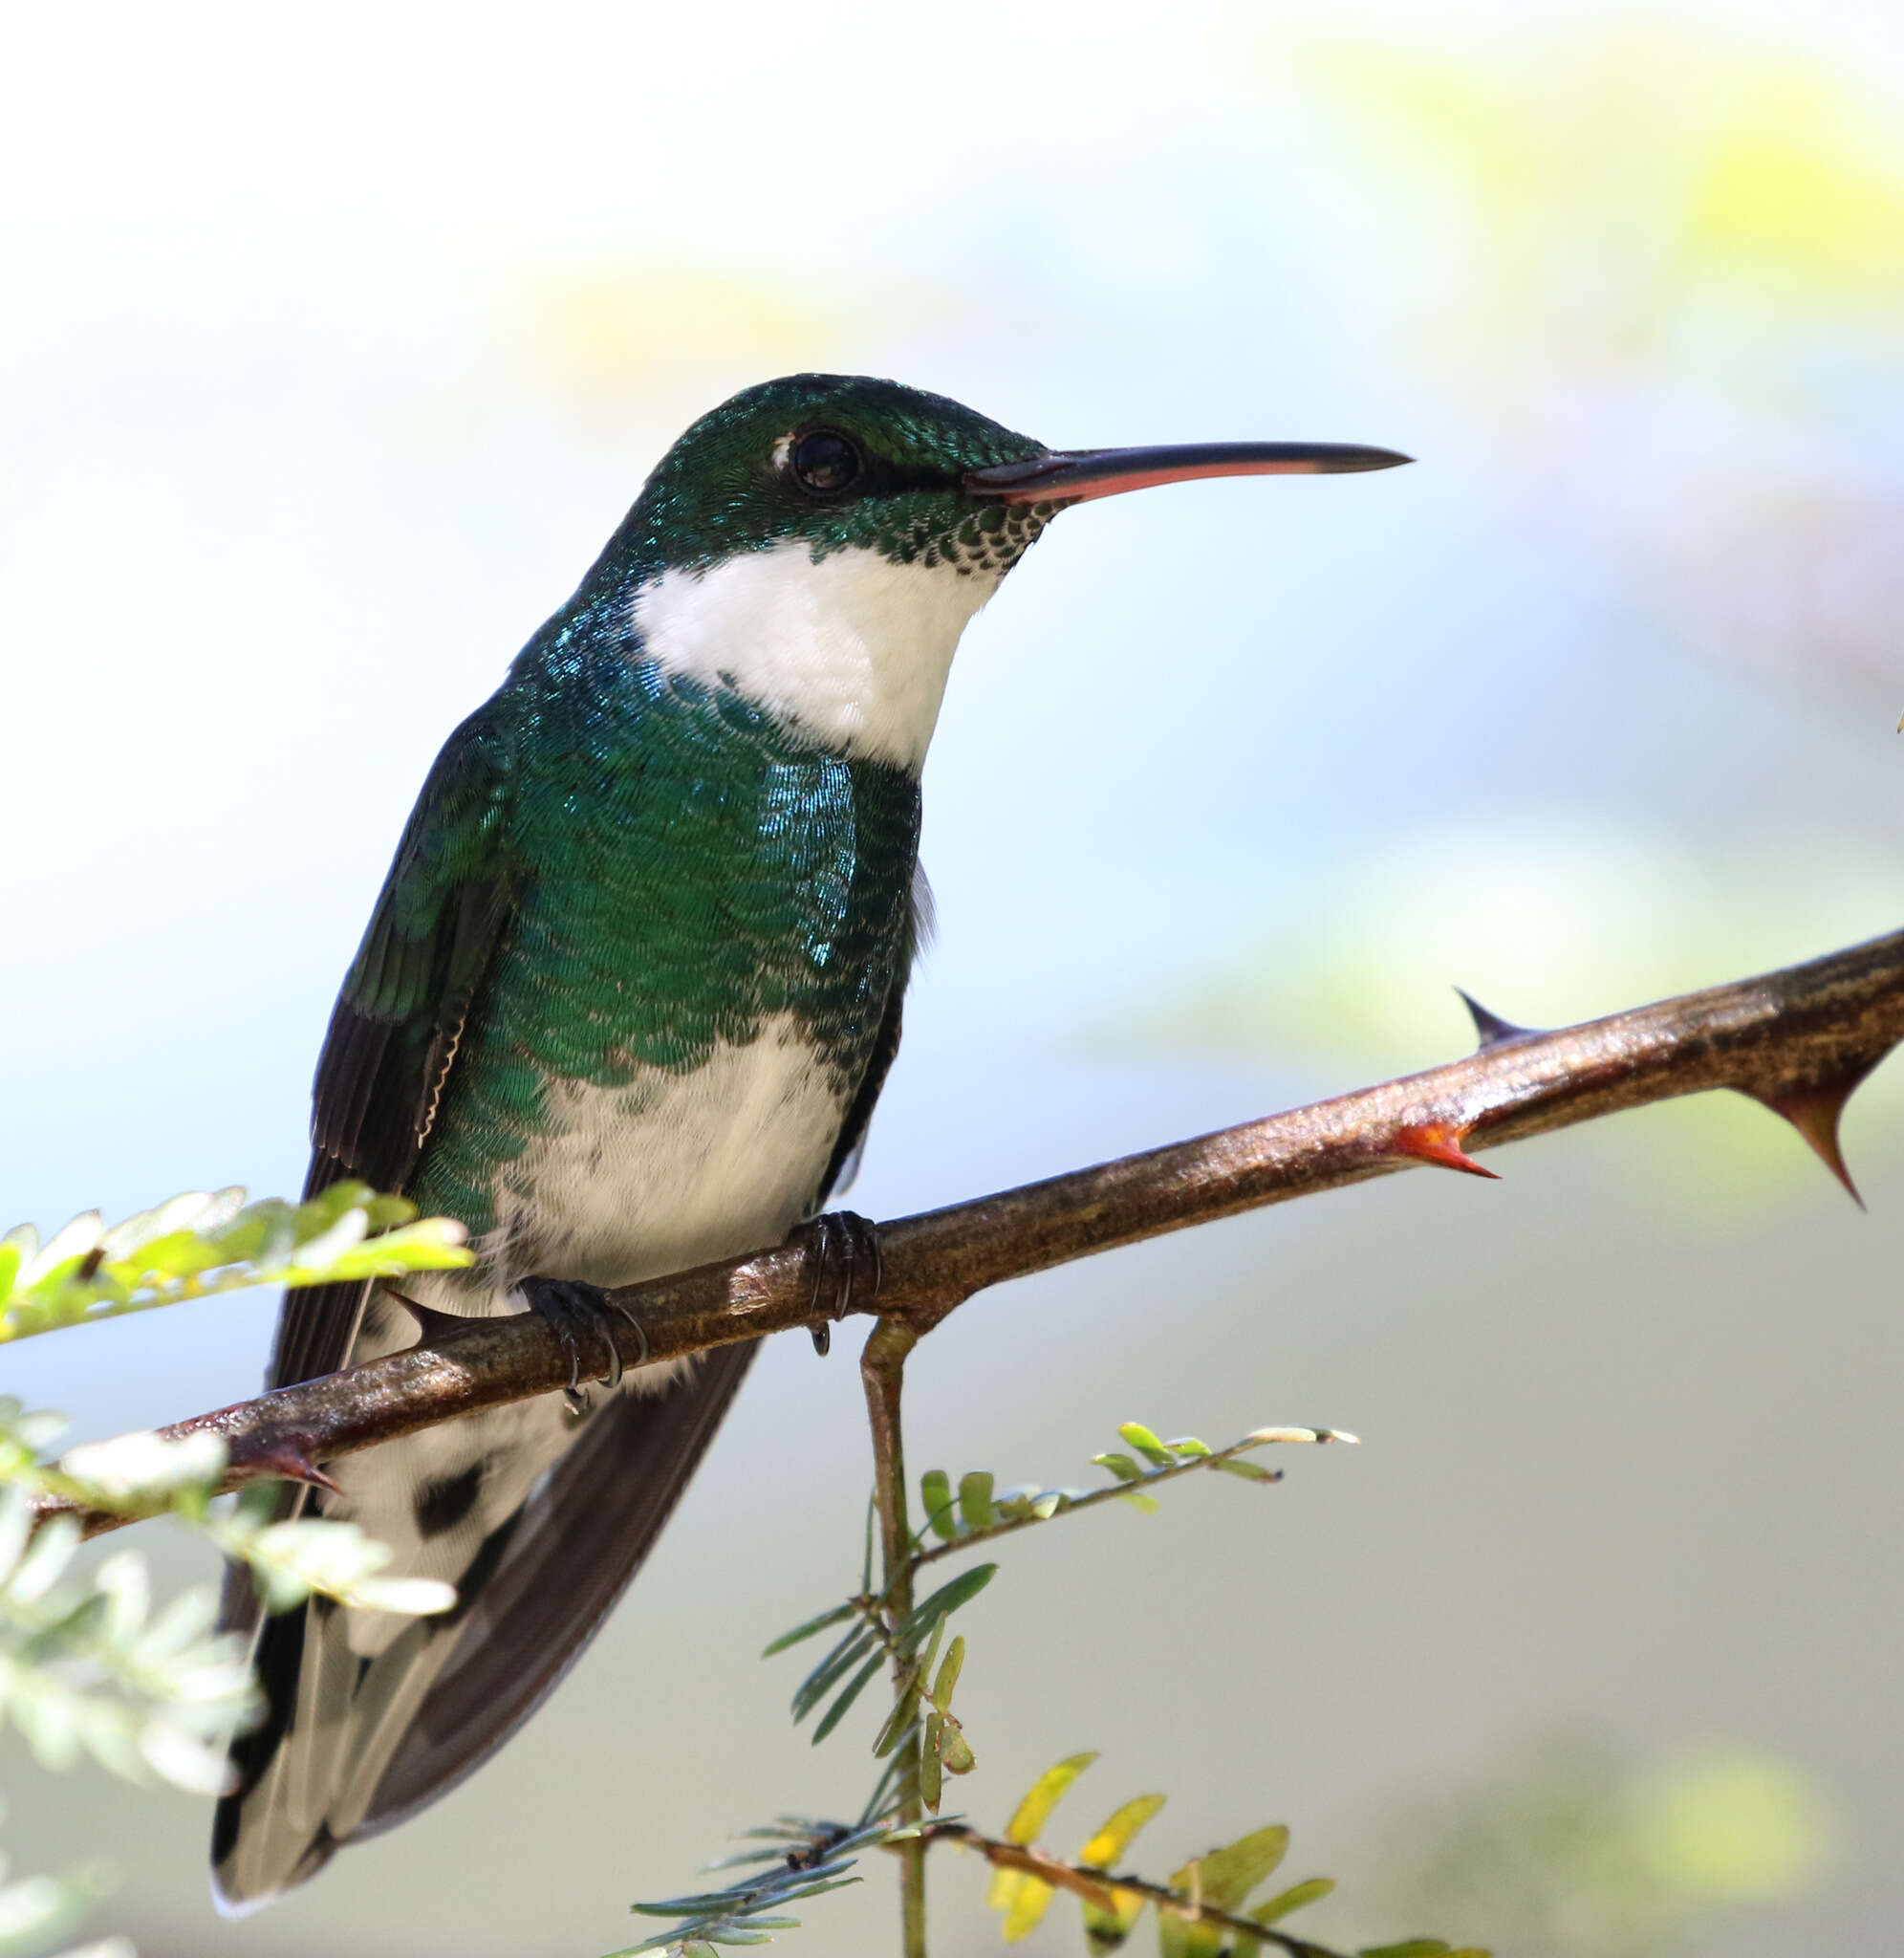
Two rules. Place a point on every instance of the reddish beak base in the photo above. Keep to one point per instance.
(1078, 475)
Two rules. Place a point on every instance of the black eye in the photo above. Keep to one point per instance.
(824, 463)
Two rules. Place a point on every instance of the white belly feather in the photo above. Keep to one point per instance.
(672, 1169)
(669, 1171)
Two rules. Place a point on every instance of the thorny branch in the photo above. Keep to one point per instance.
(1798, 1040)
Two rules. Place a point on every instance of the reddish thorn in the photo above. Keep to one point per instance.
(1814, 1112)
(1438, 1142)
(1490, 1028)
(287, 1461)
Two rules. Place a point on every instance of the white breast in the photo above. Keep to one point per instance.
(854, 648)
(672, 1169)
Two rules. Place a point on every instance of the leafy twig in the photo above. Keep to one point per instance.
(209, 1242)
(975, 1515)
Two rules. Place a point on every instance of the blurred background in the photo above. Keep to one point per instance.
(332, 344)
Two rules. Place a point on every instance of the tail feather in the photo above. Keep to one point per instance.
(369, 1720)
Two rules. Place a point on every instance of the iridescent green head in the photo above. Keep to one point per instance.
(818, 544)
(839, 462)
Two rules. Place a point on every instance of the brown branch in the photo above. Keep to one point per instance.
(1099, 1886)
(1799, 1040)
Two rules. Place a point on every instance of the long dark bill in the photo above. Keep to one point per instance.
(1078, 474)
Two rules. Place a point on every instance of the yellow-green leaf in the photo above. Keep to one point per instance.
(1119, 1832)
(1146, 1444)
(1004, 1888)
(934, 1490)
(975, 1497)
(1028, 1905)
(948, 1674)
(1042, 1796)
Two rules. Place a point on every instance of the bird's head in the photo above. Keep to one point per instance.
(817, 543)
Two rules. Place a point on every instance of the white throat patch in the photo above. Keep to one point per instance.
(855, 650)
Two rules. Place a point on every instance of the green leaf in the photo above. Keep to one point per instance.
(1250, 1471)
(1293, 1898)
(949, 1675)
(1186, 1937)
(855, 1687)
(898, 1723)
(833, 1616)
(1409, 1947)
(1187, 1446)
(975, 1498)
(1122, 1467)
(1225, 1877)
(1042, 1796)
(934, 1490)
(1138, 1500)
(942, 1603)
(1114, 1838)
(1146, 1444)
(814, 1688)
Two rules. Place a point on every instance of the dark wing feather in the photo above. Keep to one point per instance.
(394, 1030)
(442, 908)
(573, 1550)
(850, 1147)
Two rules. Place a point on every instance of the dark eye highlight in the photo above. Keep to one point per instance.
(825, 463)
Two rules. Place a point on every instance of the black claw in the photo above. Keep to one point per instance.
(574, 1310)
(845, 1246)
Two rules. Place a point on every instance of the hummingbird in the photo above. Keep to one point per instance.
(628, 996)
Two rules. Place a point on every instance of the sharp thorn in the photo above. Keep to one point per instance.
(1814, 1112)
(1490, 1028)
(432, 1325)
(1438, 1142)
(289, 1463)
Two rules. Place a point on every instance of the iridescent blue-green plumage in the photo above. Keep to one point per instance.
(662, 897)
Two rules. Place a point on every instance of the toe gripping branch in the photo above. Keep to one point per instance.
(576, 1311)
(846, 1269)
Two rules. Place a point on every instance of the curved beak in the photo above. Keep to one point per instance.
(1076, 475)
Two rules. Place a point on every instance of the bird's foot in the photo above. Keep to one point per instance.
(846, 1267)
(578, 1311)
